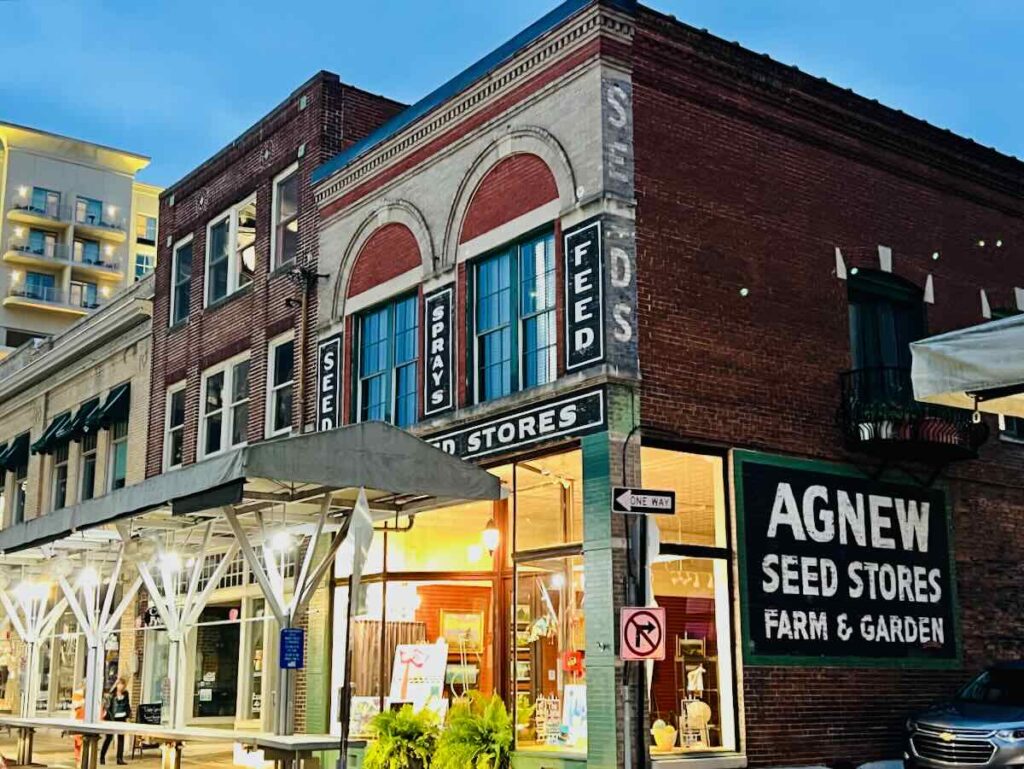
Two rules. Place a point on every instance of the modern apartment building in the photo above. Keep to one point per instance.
(75, 227)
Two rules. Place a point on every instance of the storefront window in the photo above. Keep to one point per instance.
(216, 663)
(548, 670)
(257, 630)
(692, 690)
(442, 540)
(549, 501)
(156, 685)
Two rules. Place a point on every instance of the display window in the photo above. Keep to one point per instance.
(215, 662)
(485, 597)
(692, 691)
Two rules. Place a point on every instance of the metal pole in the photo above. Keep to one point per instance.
(93, 679)
(285, 712)
(344, 707)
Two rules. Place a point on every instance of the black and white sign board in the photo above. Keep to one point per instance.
(838, 568)
(328, 384)
(584, 296)
(576, 415)
(643, 501)
(438, 371)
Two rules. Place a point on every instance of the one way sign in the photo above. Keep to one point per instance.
(643, 501)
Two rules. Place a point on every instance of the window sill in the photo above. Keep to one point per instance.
(699, 761)
(183, 323)
(236, 294)
(283, 269)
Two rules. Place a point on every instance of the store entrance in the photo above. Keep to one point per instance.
(215, 681)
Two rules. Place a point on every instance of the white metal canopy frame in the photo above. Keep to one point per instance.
(979, 368)
(302, 495)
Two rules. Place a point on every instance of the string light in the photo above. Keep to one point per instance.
(744, 291)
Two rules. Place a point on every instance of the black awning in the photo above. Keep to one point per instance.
(74, 428)
(114, 409)
(48, 440)
(15, 454)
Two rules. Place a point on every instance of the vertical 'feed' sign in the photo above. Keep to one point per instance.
(837, 568)
(584, 306)
(328, 384)
(438, 372)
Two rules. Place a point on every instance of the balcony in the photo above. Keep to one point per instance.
(102, 226)
(48, 256)
(45, 216)
(46, 298)
(96, 270)
(879, 416)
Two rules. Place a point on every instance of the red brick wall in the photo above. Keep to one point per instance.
(516, 185)
(387, 253)
(741, 184)
(332, 116)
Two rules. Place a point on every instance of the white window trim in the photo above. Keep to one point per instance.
(227, 407)
(231, 215)
(293, 168)
(111, 457)
(174, 266)
(177, 387)
(268, 421)
(82, 456)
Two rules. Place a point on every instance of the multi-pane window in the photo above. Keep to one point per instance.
(281, 365)
(46, 202)
(88, 211)
(144, 264)
(225, 417)
(174, 433)
(83, 294)
(388, 339)
(118, 462)
(515, 318)
(231, 251)
(286, 217)
(59, 496)
(145, 229)
(42, 243)
(87, 251)
(87, 460)
(181, 281)
(40, 285)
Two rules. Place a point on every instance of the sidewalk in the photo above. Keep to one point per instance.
(52, 750)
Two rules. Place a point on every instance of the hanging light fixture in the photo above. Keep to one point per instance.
(491, 536)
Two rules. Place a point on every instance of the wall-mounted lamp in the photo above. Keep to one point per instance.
(491, 536)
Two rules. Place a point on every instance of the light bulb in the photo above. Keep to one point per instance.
(557, 581)
(170, 561)
(491, 536)
(88, 577)
(281, 541)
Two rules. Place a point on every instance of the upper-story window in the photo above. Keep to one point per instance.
(59, 477)
(87, 465)
(224, 421)
(886, 315)
(281, 377)
(285, 237)
(181, 280)
(46, 202)
(117, 462)
(388, 344)
(231, 250)
(145, 229)
(42, 243)
(174, 427)
(144, 264)
(514, 336)
(88, 211)
(86, 251)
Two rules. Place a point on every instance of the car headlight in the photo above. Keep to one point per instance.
(1013, 735)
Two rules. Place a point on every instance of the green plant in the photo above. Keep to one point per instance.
(402, 740)
(478, 735)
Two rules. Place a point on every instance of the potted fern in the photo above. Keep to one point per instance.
(402, 739)
(478, 735)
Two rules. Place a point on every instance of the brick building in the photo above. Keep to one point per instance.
(233, 352)
(619, 250)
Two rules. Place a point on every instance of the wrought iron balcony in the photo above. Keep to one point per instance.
(880, 416)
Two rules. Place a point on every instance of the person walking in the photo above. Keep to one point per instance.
(118, 708)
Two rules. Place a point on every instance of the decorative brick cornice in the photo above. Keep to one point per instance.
(591, 24)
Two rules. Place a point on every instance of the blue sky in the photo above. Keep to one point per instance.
(178, 80)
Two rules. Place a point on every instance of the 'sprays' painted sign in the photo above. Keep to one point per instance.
(438, 371)
(837, 566)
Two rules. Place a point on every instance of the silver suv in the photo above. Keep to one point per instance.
(983, 726)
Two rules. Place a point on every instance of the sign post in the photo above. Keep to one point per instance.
(642, 634)
(643, 501)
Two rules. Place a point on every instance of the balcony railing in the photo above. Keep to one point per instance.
(51, 295)
(79, 260)
(58, 251)
(101, 221)
(56, 213)
(879, 415)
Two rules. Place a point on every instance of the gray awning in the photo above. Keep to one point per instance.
(401, 475)
(982, 364)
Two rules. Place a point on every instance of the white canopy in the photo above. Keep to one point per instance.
(981, 365)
